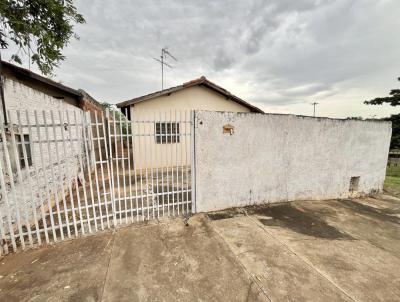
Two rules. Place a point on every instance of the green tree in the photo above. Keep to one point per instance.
(39, 28)
(395, 141)
(393, 99)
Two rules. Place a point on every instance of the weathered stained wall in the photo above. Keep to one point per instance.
(272, 158)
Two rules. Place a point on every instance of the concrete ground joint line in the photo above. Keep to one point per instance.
(250, 275)
(303, 260)
(108, 265)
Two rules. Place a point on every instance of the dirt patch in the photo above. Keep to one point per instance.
(299, 221)
(379, 214)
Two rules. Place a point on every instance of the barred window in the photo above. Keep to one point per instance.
(27, 143)
(167, 132)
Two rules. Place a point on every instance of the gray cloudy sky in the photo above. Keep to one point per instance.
(280, 55)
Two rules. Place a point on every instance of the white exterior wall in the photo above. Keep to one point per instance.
(272, 158)
(175, 107)
(21, 97)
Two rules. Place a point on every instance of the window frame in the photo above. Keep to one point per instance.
(167, 133)
(20, 151)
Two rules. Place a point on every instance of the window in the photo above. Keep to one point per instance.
(167, 132)
(18, 139)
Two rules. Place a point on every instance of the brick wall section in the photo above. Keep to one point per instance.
(88, 103)
(44, 160)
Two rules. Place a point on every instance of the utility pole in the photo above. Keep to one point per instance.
(164, 55)
(314, 104)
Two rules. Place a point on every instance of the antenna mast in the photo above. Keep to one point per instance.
(164, 55)
(314, 104)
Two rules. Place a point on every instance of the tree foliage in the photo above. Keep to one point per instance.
(393, 99)
(39, 28)
(395, 141)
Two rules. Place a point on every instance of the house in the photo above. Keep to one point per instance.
(43, 137)
(24, 90)
(170, 110)
(198, 94)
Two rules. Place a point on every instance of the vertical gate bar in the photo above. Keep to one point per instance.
(117, 166)
(3, 191)
(61, 172)
(150, 126)
(102, 169)
(14, 147)
(146, 163)
(127, 127)
(96, 176)
(78, 197)
(3, 237)
(172, 164)
(79, 145)
(51, 163)
(152, 139)
(165, 136)
(134, 162)
(109, 175)
(141, 165)
(162, 163)
(111, 166)
(101, 217)
(29, 177)
(46, 180)
(19, 175)
(36, 172)
(182, 130)
(193, 160)
(5, 196)
(187, 137)
(71, 197)
(176, 162)
(123, 164)
(85, 143)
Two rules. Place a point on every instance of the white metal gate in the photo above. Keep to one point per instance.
(67, 173)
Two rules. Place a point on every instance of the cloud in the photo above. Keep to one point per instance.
(278, 54)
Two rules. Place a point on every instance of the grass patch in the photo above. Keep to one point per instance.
(392, 180)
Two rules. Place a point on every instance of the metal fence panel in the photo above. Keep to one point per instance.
(64, 174)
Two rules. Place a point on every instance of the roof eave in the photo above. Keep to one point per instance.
(25, 73)
(200, 82)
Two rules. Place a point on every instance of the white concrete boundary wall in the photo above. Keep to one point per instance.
(272, 158)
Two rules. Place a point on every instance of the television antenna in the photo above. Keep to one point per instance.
(165, 54)
(314, 104)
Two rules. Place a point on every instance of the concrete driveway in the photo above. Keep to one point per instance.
(346, 250)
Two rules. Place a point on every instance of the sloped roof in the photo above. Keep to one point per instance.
(202, 81)
(27, 74)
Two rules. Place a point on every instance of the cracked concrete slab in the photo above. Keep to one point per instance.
(74, 270)
(282, 275)
(172, 262)
(352, 244)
